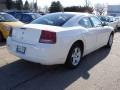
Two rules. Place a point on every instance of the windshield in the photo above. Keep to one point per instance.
(53, 19)
(7, 18)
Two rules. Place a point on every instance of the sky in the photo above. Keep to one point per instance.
(65, 3)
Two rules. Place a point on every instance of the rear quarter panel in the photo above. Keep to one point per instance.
(68, 37)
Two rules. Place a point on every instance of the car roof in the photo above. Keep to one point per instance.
(110, 16)
(3, 13)
(28, 13)
(75, 13)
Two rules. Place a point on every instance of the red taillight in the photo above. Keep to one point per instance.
(10, 33)
(48, 37)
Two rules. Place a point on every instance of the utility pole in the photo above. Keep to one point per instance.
(36, 1)
(36, 6)
(33, 6)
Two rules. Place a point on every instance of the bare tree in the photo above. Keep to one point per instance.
(46, 9)
(87, 3)
(100, 9)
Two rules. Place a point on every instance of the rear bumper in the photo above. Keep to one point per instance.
(42, 53)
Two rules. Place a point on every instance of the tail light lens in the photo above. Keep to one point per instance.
(10, 33)
(48, 37)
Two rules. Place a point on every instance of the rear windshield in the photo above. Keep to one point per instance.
(7, 18)
(53, 19)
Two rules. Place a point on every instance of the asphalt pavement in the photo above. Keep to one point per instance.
(99, 70)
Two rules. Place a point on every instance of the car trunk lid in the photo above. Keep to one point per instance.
(26, 35)
(31, 33)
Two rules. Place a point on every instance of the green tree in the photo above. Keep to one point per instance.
(19, 4)
(26, 5)
(78, 9)
(9, 4)
(55, 7)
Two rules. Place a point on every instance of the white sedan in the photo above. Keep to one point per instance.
(59, 38)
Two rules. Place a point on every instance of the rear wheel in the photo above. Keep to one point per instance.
(74, 56)
(1, 37)
(110, 41)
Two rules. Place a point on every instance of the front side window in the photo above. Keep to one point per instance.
(102, 18)
(85, 22)
(96, 22)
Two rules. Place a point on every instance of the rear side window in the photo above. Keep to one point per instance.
(85, 22)
(53, 19)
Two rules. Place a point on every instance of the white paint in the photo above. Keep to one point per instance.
(50, 54)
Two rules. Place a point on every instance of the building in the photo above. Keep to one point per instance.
(113, 10)
(2, 5)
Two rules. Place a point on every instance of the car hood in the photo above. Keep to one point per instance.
(13, 24)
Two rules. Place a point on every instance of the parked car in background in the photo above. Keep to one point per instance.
(118, 20)
(27, 17)
(109, 20)
(59, 38)
(14, 12)
(6, 23)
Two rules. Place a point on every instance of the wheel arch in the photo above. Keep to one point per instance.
(2, 34)
(81, 43)
(112, 33)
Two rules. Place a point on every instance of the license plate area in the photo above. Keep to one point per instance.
(21, 49)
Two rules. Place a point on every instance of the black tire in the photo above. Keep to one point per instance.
(110, 41)
(1, 37)
(69, 61)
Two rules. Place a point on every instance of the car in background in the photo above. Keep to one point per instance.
(118, 19)
(7, 22)
(27, 17)
(14, 12)
(59, 38)
(109, 20)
